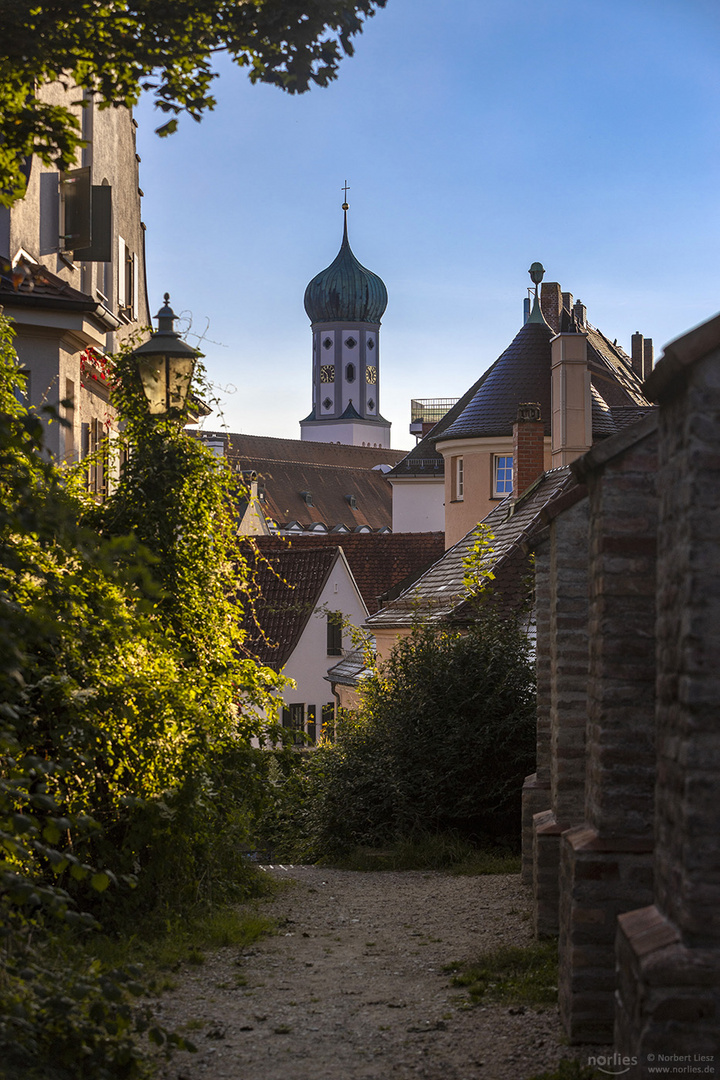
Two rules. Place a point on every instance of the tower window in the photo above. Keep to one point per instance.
(371, 403)
(327, 343)
(350, 342)
(371, 344)
(458, 479)
(350, 373)
(327, 403)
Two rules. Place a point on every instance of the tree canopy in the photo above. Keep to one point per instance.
(116, 49)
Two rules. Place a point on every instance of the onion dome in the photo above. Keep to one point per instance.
(346, 291)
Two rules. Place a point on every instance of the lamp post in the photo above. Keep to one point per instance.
(165, 365)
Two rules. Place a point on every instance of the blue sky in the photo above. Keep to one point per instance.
(476, 136)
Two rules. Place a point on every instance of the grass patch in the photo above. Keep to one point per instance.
(163, 946)
(441, 851)
(511, 975)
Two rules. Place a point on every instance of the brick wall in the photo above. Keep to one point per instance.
(606, 861)
(563, 645)
(668, 952)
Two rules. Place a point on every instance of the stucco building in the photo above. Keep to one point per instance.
(586, 386)
(73, 274)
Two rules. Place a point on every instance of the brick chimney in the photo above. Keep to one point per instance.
(528, 447)
(648, 356)
(551, 304)
(571, 398)
(636, 353)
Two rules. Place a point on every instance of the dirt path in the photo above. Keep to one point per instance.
(352, 986)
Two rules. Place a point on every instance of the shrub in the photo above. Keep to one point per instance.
(442, 742)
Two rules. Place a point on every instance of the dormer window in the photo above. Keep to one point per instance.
(351, 501)
(306, 497)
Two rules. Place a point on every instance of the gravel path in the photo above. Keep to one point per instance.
(352, 986)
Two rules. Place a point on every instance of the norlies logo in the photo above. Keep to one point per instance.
(613, 1064)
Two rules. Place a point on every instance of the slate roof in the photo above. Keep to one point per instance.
(522, 373)
(350, 668)
(332, 473)
(440, 593)
(291, 581)
(378, 561)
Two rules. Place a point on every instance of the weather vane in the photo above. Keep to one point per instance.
(346, 205)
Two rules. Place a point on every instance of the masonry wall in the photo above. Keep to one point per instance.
(563, 722)
(606, 861)
(669, 951)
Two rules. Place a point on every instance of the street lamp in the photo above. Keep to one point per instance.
(165, 365)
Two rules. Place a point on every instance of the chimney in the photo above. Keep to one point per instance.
(567, 299)
(528, 447)
(636, 352)
(580, 314)
(551, 304)
(571, 398)
(648, 357)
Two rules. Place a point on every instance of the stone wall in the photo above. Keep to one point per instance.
(606, 860)
(669, 951)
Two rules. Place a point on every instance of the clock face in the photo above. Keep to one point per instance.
(327, 373)
(371, 374)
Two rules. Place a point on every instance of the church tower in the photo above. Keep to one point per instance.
(345, 303)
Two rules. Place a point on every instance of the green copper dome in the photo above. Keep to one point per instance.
(346, 291)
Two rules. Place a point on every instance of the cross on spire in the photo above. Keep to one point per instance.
(345, 189)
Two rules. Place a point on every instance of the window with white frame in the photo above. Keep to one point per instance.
(502, 475)
(459, 478)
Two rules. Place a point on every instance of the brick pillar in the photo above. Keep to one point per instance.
(551, 304)
(669, 951)
(637, 350)
(648, 356)
(606, 862)
(528, 447)
(568, 664)
(571, 399)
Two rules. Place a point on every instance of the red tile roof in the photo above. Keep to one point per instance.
(290, 583)
(378, 560)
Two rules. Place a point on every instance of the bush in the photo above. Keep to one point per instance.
(441, 744)
(126, 714)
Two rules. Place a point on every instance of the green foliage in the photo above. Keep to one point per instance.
(511, 975)
(477, 562)
(162, 942)
(127, 776)
(446, 852)
(117, 50)
(441, 744)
